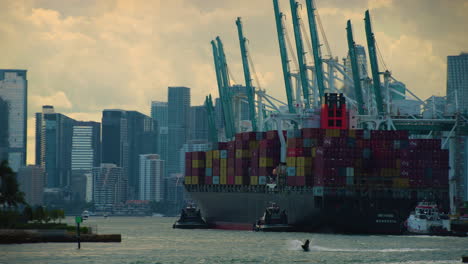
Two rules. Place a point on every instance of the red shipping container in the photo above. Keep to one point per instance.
(188, 155)
(216, 171)
(300, 180)
(247, 136)
(239, 137)
(222, 145)
(188, 171)
(216, 163)
(208, 180)
(291, 180)
(230, 179)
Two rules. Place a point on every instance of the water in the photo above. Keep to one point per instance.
(152, 240)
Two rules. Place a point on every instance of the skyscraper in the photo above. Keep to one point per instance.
(159, 114)
(86, 146)
(178, 125)
(55, 132)
(198, 123)
(151, 178)
(86, 154)
(13, 95)
(31, 180)
(126, 135)
(109, 186)
(457, 81)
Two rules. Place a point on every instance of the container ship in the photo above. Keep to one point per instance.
(333, 179)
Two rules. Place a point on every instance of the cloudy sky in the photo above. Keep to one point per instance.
(83, 56)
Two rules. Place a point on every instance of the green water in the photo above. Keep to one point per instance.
(152, 240)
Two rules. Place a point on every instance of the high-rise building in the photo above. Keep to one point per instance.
(126, 135)
(198, 123)
(457, 81)
(175, 189)
(151, 178)
(159, 114)
(362, 66)
(86, 146)
(13, 95)
(55, 133)
(4, 131)
(86, 154)
(109, 186)
(31, 180)
(178, 125)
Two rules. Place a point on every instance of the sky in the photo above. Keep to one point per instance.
(84, 56)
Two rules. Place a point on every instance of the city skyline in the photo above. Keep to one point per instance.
(131, 53)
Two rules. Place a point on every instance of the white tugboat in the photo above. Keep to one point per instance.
(426, 220)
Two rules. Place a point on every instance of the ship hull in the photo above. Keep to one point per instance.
(236, 210)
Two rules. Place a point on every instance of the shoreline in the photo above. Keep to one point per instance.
(23, 236)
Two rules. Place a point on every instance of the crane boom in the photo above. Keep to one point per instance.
(300, 53)
(374, 64)
(223, 93)
(247, 76)
(284, 56)
(212, 132)
(355, 68)
(315, 47)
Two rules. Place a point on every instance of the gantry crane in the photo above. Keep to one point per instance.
(248, 80)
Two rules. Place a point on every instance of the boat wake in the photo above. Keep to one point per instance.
(296, 245)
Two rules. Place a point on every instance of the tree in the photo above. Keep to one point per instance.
(61, 215)
(28, 213)
(54, 215)
(39, 214)
(10, 195)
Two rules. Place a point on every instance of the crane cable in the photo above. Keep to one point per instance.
(322, 31)
(291, 51)
(253, 69)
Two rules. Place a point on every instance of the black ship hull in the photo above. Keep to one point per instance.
(378, 212)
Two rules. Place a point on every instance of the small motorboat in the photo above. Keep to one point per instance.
(273, 220)
(85, 214)
(190, 218)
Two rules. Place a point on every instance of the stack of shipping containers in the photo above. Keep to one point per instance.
(336, 158)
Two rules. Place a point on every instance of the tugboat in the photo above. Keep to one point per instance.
(85, 215)
(426, 220)
(190, 218)
(273, 220)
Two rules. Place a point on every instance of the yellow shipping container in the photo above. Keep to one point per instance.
(300, 161)
(223, 171)
(291, 161)
(352, 133)
(253, 180)
(194, 179)
(188, 180)
(313, 152)
(215, 154)
(300, 171)
(209, 163)
(265, 162)
(246, 153)
(239, 153)
(332, 132)
(254, 145)
(230, 171)
(238, 180)
(223, 179)
(223, 163)
(198, 164)
(307, 162)
(401, 182)
(398, 163)
(209, 154)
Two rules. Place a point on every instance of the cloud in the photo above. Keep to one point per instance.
(58, 100)
(84, 56)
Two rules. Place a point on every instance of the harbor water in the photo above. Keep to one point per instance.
(153, 240)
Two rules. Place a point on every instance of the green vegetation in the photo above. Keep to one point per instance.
(10, 195)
